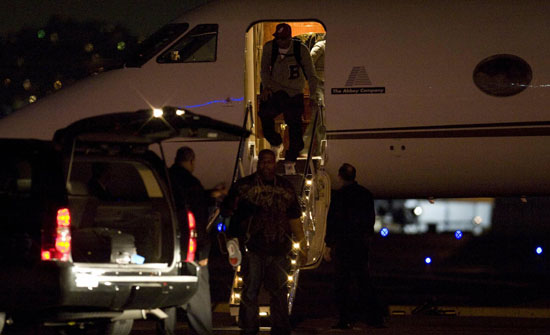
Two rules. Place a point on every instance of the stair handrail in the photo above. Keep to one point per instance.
(240, 152)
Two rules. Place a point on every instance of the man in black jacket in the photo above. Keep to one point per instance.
(266, 218)
(190, 194)
(350, 227)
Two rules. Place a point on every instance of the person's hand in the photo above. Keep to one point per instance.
(219, 191)
(302, 256)
(313, 103)
(203, 262)
(326, 254)
(266, 94)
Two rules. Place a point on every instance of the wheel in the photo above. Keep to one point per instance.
(120, 327)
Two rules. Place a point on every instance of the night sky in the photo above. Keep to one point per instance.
(141, 17)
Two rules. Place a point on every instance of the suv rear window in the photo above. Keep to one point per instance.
(119, 214)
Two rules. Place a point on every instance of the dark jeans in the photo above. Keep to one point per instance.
(198, 310)
(292, 109)
(272, 271)
(352, 271)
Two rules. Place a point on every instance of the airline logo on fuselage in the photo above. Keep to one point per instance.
(357, 83)
(358, 90)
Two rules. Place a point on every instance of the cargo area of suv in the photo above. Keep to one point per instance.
(90, 233)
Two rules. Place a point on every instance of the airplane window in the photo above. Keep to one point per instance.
(155, 43)
(502, 75)
(199, 45)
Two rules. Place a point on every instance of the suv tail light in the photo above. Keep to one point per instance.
(59, 246)
(192, 245)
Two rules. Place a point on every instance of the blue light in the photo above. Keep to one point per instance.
(384, 232)
(427, 260)
(458, 234)
(538, 250)
(221, 227)
(224, 101)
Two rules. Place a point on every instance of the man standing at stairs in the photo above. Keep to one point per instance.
(350, 227)
(265, 216)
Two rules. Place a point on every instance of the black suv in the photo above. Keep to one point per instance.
(90, 234)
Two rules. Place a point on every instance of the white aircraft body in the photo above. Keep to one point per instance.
(425, 98)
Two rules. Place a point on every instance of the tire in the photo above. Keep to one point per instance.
(120, 327)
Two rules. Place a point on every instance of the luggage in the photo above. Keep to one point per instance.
(102, 245)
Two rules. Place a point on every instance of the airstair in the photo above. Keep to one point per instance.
(312, 185)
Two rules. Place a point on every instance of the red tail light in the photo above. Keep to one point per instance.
(58, 247)
(192, 245)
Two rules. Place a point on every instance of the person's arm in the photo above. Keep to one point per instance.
(315, 53)
(309, 70)
(265, 71)
(332, 221)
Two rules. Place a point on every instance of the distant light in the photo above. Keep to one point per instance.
(157, 112)
(417, 211)
(458, 234)
(54, 37)
(27, 84)
(296, 245)
(41, 33)
(478, 220)
(384, 232)
(538, 250)
(89, 47)
(427, 260)
(32, 99)
(57, 85)
(290, 278)
(121, 45)
(263, 313)
(309, 182)
(180, 112)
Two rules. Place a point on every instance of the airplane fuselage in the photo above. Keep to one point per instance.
(425, 99)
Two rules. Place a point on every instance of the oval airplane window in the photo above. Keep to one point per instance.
(502, 75)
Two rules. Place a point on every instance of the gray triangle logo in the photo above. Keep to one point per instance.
(358, 77)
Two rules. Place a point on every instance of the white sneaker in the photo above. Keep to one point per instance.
(278, 150)
(290, 168)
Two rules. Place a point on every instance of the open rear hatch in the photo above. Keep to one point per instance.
(123, 222)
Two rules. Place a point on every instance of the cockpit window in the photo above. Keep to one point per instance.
(155, 43)
(199, 45)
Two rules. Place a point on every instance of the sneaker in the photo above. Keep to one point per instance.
(290, 168)
(278, 149)
(234, 252)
